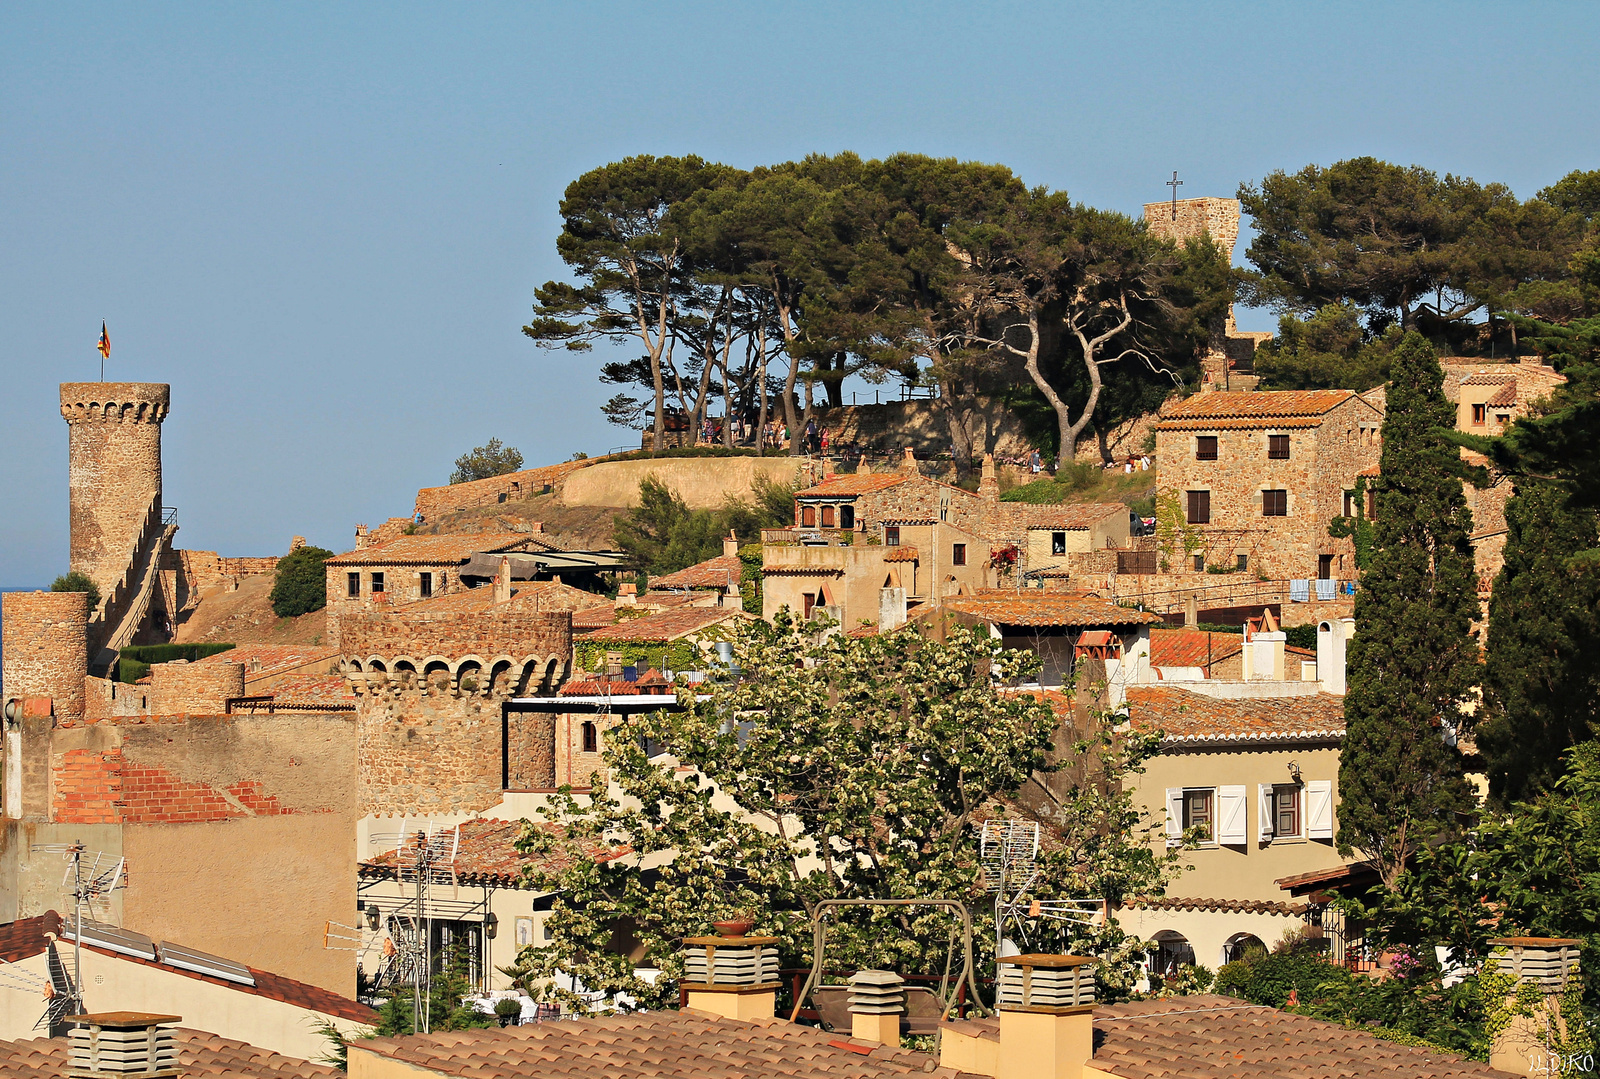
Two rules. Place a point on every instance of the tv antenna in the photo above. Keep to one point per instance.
(425, 855)
(1008, 850)
(90, 878)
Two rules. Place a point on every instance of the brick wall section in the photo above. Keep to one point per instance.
(515, 486)
(113, 470)
(46, 647)
(427, 754)
(104, 787)
(178, 687)
(381, 631)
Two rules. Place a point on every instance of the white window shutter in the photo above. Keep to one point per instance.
(1319, 809)
(1264, 792)
(1231, 815)
(1174, 816)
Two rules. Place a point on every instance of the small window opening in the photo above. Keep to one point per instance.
(958, 554)
(425, 585)
(1274, 503)
(591, 738)
(352, 584)
(1058, 543)
(1278, 447)
(377, 582)
(827, 516)
(808, 517)
(847, 516)
(891, 535)
(1205, 448)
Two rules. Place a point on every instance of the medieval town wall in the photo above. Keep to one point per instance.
(113, 470)
(46, 647)
(384, 631)
(427, 753)
(180, 687)
(702, 482)
(512, 487)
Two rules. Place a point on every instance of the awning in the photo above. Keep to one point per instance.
(528, 567)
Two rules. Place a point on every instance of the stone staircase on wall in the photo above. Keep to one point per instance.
(126, 609)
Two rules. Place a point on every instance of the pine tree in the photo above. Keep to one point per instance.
(1414, 661)
(1541, 679)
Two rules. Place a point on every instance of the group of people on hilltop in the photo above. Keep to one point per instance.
(1140, 463)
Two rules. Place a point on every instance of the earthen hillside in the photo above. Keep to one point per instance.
(244, 616)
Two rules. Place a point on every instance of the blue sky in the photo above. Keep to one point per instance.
(323, 224)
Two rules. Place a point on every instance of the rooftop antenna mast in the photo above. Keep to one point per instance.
(1009, 852)
(424, 856)
(90, 878)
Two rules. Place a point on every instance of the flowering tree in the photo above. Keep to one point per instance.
(829, 767)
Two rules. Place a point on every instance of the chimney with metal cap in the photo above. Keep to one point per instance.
(122, 1044)
(1549, 964)
(732, 975)
(877, 1001)
(1046, 1020)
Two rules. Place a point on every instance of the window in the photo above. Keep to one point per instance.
(1274, 503)
(1285, 812)
(352, 584)
(1349, 503)
(958, 554)
(425, 584)
(827, 516)
(1205, 448)
(1058, 543)
(591, 738)
(1243, 563)
(1478, 414)
(808, 517)
(1324, 567)
(808, 600)
(1197, 806)
(847, 516)
(891, 535)
(1502, 417)
(1199, 507)
(1199, 563)
(377, 582)
(1278, 447)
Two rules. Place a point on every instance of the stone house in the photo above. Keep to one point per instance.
(1256, 478)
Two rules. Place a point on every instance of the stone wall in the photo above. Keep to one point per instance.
(46, 647)
(531, 751)
(182, 688)
(702, 482)
(113, 471)
(427, 753)
(1195, 217)
(201, 569)
(512, 487)
(384, 631)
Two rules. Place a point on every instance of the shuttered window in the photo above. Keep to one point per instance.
(1274, 503)
(1199, 507)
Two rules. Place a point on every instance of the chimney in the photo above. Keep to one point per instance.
(1046, 1019)
(122, 1044)
(614, 664)
(627, 595)
(1263, 650)
(891, 609)
(989, 484)
(910, 463)
(730, 545)
(863, 468)
(296, 542)
(733, 976)
(877, 1001)
(1550, 965)
(1333, 638)
(502, 581)
(361, 536)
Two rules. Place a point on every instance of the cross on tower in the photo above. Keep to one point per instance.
(1174, 183)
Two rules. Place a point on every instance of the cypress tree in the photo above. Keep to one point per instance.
(1414, 660)
(1541, 686)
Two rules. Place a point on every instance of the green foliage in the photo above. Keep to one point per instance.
(1329, 350)
(301, 583)
(483, 462)
(856, 769)
(1401, 777)
(135, 660)
(682, 451)
(338, 1053)
(1175, 536)
(750, 560)
(1541, 686)
(1268, 978)
(664, 535)
(671, 656)
(74, 581)
(1301, 636)
(446, 1008)
(508, 1006)
(1358, 528)
(1070, 479)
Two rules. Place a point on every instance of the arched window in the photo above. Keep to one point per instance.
(808, 517)
(591, 738)
(827, 516)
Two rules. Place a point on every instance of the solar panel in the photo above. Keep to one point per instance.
(176, 955)
(112, 939)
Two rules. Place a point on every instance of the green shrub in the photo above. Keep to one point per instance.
(1269, 979)
(301, 585)
(1301, 636)
(1073, 477)
(73, 581)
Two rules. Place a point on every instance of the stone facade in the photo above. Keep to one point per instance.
(114, 471)
(182, 688)
(46, 647)
(427, 753)
(1331, 436)
(512, 487)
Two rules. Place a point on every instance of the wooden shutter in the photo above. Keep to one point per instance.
(1264, 809)
(1231, 815)
(1319, 809)
(1174, 816)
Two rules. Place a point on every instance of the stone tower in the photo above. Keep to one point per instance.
(46, 647)
(114, 473)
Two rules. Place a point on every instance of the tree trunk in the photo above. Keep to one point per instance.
(958, 421)
(834, 387)
(761, 386)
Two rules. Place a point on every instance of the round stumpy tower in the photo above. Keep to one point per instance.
(46, 647)
(113, 470)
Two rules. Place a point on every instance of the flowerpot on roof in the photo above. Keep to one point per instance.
(734, 927)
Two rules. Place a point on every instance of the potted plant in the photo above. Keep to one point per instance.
(737, 924)
(508, 1010)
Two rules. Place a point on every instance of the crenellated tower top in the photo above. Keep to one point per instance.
(114, 402)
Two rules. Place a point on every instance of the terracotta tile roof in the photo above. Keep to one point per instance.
(1038, 608)
(1260, 408)
(1505, 395)
(1488, 378)
(653, 1044)
(487, 856)
(263, 660)
(905, 553)
(1080, 516)
(526, 596)
(664, 600)
(1219, 906)
(1337, 876)
(593, 618)
(712, 573)
(26, 937)
(1188, 717)
(664, 625)
(1215, 1037)
(433, 550)
(315, 689)
(200, 1053)
(1192, 647)
(649, 681)
(845, 486)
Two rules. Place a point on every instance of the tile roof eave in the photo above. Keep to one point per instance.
(1330, 736)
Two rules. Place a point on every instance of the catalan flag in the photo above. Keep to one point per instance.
(105, 343)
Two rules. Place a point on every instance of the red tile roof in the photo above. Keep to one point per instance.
(433, 550)
(1192, 647)
(1261, 408)
(1505, 395)
(1219, 906)
(687, 1044)
(1214, 1037)
(313, 689)
(201, 1055)
(846, 486)
(487, 856)
(593, 618)
(1188, 717)
(1488, 378)
(906, 553)
(664, 625)
(715, 572)
(1038, 608)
